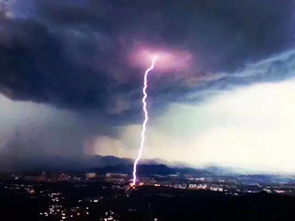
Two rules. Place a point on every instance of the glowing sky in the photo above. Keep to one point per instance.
(71, 76)
(223, 131)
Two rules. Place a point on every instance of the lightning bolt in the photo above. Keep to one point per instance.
(146, 118)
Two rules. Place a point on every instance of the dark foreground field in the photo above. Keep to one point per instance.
(149, 204)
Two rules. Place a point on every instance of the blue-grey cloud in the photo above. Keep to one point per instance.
(73, 54)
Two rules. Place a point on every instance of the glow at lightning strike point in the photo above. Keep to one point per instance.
(146, 117)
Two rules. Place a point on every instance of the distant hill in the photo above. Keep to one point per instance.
(103, 164)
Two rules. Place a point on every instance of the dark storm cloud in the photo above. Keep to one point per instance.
(73, 53)
(224, 34)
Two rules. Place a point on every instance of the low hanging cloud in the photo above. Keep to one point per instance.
(31, 130)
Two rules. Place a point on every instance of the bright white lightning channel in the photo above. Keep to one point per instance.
(146, 118)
